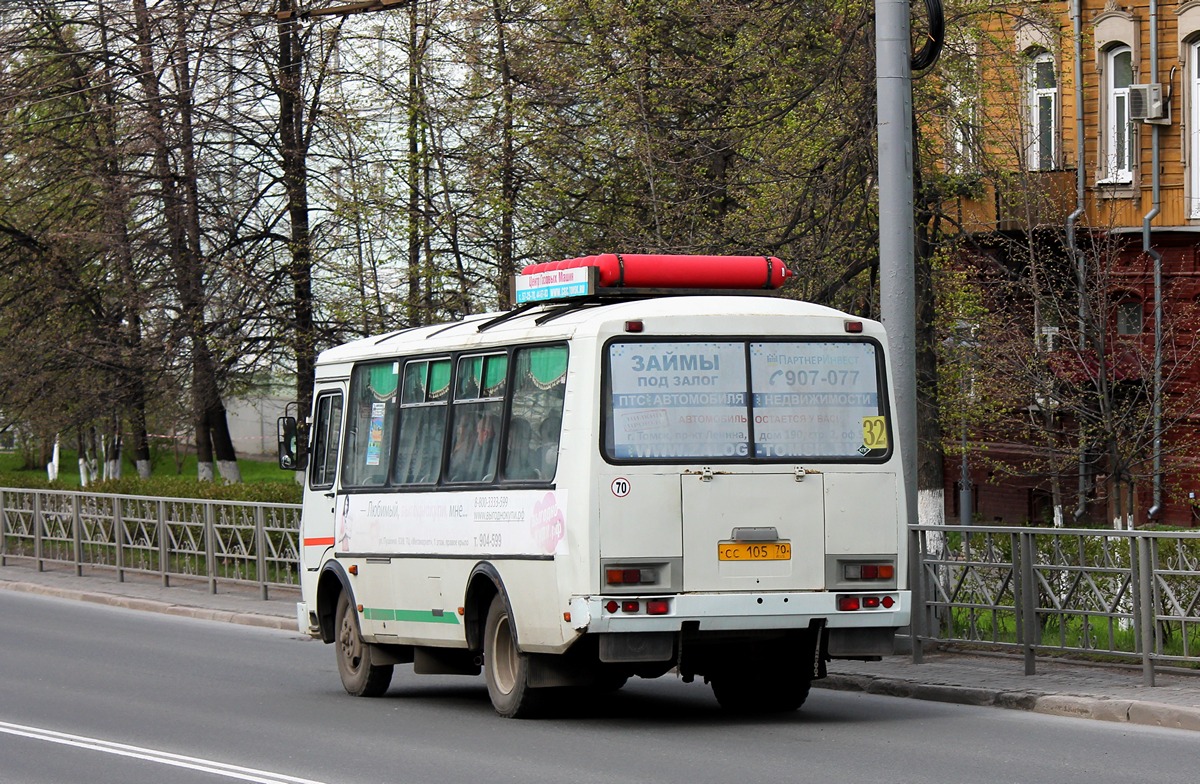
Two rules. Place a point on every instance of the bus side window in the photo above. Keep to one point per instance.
(550, 431)
(522, 459)
(423, 403)
(373, 414)
(539, 383)
(478, 405)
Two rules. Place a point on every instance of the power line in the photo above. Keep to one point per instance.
(343, 10)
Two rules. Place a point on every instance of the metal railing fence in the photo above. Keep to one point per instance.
(1132, 595)
(216, 541)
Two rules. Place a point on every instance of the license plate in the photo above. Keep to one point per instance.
(754, 551)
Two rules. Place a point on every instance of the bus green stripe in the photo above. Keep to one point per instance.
(414, 616)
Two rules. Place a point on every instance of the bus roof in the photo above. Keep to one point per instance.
(667, 315)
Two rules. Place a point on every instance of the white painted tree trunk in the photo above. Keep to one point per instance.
(931, 510)
(204, 472)
(52, 466)
(229, 471)
(931, 507)
(112, 459)
(83, 472)
(143, 468)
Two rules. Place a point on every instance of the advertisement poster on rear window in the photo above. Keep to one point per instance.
(678, 400)
(813, 398)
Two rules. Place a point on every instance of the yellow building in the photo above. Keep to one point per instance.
(1135, 71)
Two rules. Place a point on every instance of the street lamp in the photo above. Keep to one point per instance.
(965, 501)
(963, 343)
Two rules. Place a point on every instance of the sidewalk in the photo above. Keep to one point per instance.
(1083, 691)
(1108, 693)
(232, 603)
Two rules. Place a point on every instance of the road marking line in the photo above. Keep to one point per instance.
(153, 755)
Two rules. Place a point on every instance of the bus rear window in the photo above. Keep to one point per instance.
(742, 400)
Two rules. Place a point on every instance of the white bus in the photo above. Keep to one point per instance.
(622, 484)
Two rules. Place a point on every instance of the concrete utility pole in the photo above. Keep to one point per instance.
(897, 230)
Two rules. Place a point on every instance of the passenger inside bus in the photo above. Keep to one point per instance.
(473, 450)
(419, 455)
(548, 446)
(522, 459)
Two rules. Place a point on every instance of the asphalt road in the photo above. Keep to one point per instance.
(98, 694)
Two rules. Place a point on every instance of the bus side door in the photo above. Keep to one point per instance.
(319, 497)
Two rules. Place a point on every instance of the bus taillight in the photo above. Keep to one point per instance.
(620, 576)
(850, 603)
(869, 571)
(634, 606)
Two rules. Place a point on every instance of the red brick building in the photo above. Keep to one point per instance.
(1076, 141)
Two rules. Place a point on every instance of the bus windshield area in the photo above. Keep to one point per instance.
(745, 400)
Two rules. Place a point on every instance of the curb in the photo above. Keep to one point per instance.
(1141, 712)
(152, 605)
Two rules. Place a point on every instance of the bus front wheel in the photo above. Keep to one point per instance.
(361, 676)
(505, 668)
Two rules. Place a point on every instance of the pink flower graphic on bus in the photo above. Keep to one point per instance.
(343, 526)
(547, 524)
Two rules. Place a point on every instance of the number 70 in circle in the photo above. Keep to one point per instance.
(875, 432)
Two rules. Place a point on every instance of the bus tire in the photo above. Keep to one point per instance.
(505, 668)
(608, 682)
(745, 693)
(361, 676)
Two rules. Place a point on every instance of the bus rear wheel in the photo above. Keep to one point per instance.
(746, 693)
(505, 668)
(361, 676)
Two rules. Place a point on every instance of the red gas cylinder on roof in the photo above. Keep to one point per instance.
(645, 270)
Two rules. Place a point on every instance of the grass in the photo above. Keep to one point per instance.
(261, 480)
(1070, 632)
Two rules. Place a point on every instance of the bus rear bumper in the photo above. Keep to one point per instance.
(737, 611)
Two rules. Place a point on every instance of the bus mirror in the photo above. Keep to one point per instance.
(287, 430)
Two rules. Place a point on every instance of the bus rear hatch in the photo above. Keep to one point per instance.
(753, 532)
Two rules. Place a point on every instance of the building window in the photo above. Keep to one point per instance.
(1129, 318)
(1119, 138)
(1193, 148)
(1042, 106)
(1048, 339)
(964, 118)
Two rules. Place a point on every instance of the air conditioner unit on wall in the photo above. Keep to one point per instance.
(1146, 102)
